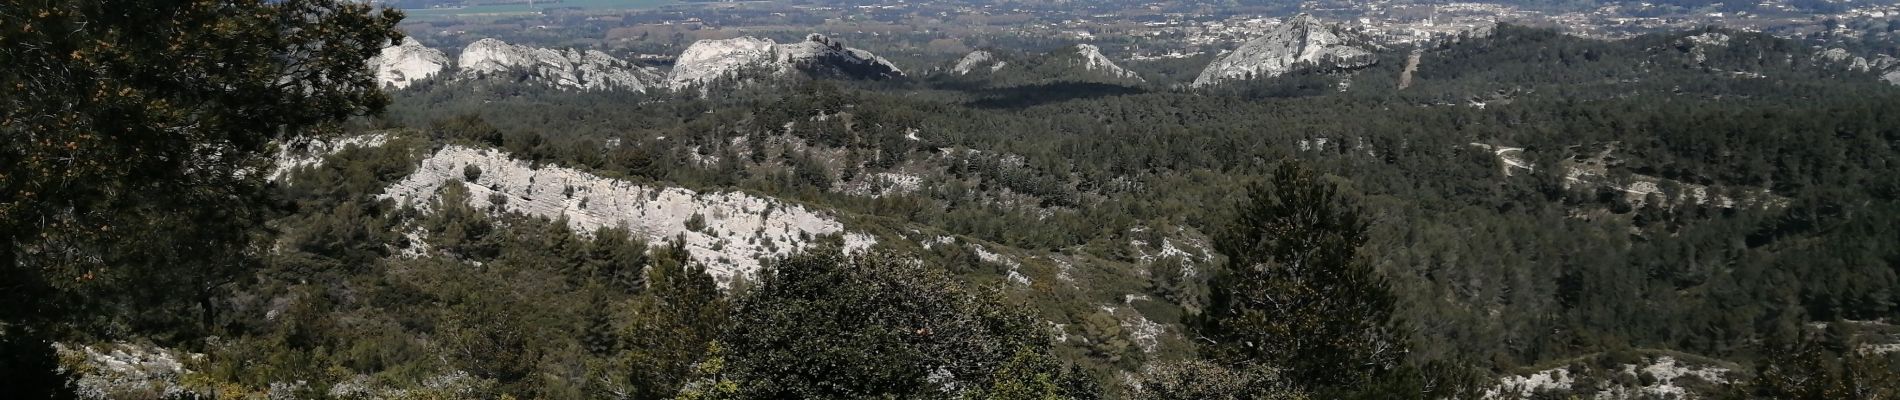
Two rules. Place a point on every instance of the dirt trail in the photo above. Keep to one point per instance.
(1411, 65)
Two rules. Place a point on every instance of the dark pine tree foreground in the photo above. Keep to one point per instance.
(134, 141)
(1294, 294)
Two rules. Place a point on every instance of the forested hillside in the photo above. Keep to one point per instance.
(1522, 213)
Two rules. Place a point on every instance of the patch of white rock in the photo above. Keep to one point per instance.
(1699, 44)
(1670, 377)
(709, 60)
(311, 152)
(881, 184)
(1300, 40)
(737, 229)
(121, 370)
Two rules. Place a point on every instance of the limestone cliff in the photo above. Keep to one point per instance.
(407, 62)
(1301, 40)
(709, 60)
(567, 69)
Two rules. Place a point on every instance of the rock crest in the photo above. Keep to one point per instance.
(1302, 39)
(977, 60)
(406, 62)
(709, 60)
(567, 69)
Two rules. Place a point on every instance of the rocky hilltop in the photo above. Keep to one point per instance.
(1091, 59)
(1886, 66)
(708, 60)
(1082, 62)
(407, 62)
(1300, 40)
(567, 69)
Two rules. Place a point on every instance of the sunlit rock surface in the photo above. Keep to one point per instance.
(566, 69)
(407, 62)
(1302, 39)
(734, 229)
(709, 60)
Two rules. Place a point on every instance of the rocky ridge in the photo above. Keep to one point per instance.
(404, 63)
(1886, 66)
(709, 60)
(1300, 40)
(978, 60)
(1081, 62)
(726, 231)
(567, 69)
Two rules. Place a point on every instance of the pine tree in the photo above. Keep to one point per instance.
(1294, 294)
(822, 324)
(672, 322)
(131, 140)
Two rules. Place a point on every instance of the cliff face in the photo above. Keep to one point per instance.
(1302, 39)
(728, 232)
(708, 60)
(567, 69)
(404, 63)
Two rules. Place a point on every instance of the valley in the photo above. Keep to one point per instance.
(974, 199)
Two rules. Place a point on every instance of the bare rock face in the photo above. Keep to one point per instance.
(977, 60)
(567, 69)
(1300, 40)
(820, 55)
(708, 60)
(728, 232)
(405, 63)
(1093, 60)
(1886, 66)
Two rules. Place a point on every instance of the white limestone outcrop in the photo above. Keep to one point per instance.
(1886, 66)
(709, 60)
(291, 156)
(1669, 380)
(977, 60)
(405, 63)
(567, 69)
(734, 229)
(123, 370)
(1699, 44)
(1093, 60)
(1300, 40)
